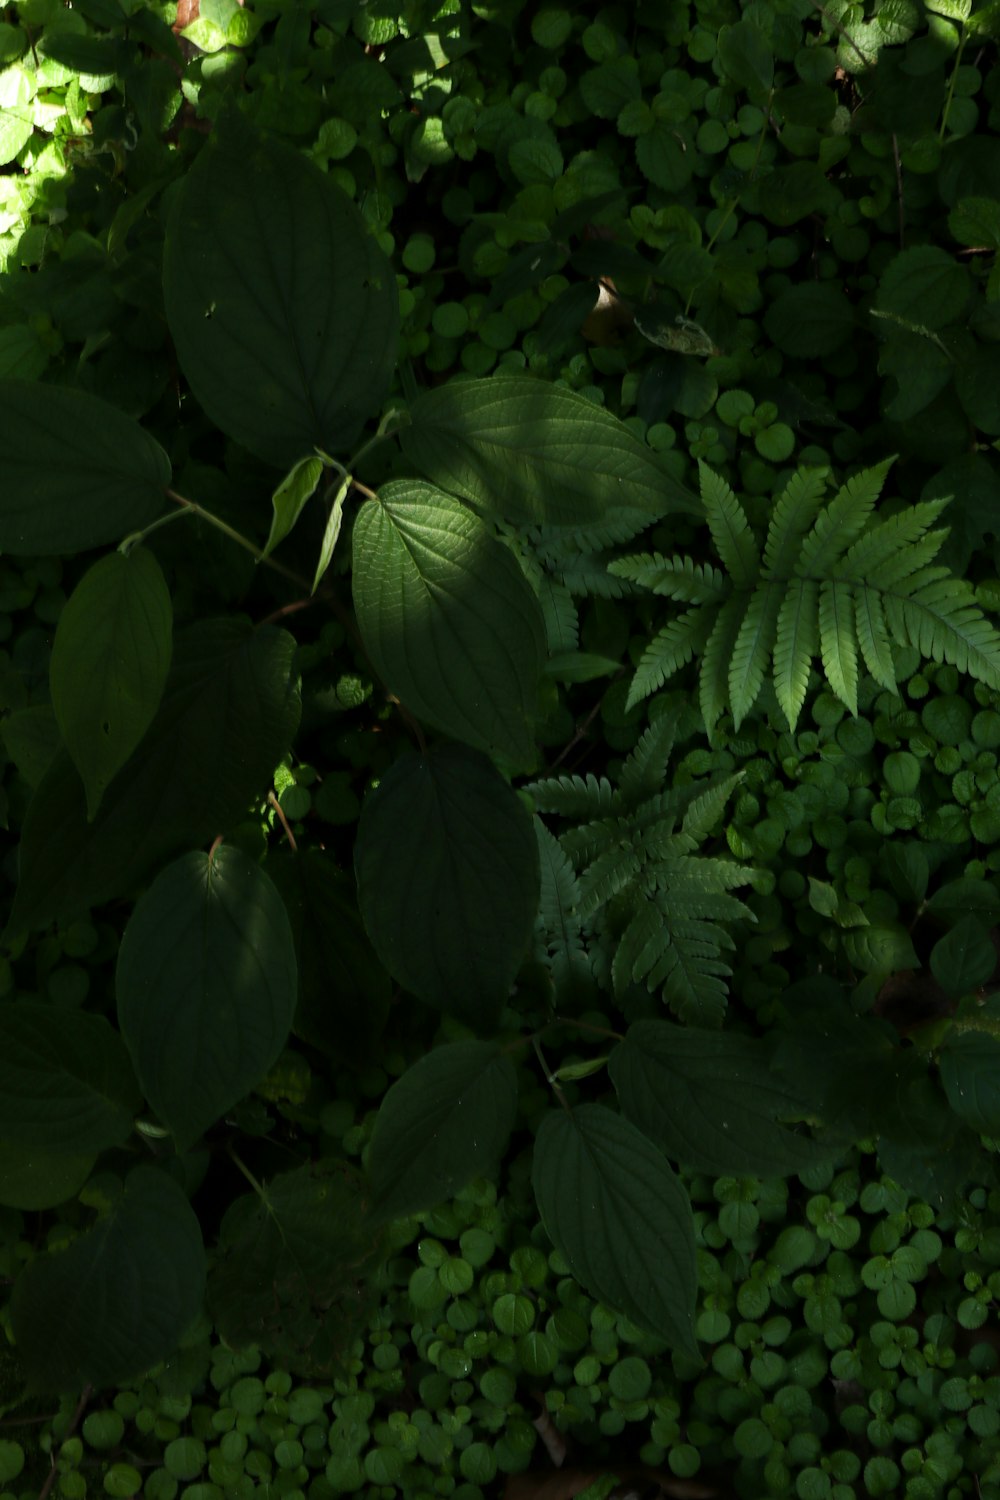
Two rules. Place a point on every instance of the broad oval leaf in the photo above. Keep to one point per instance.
(110, 660)
(617, 1212)
(282, 306)
(448, 618)
(206, 984)
(66, 1082)
(75, 472)
(709, 1100)
(117, 1299)
(970, 1072)
(536, 454)
(229, 713)
(448, 879)
(445, 1121)
(32, 1180)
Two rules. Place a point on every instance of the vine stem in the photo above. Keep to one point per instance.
(550, 1077)
(191, 507)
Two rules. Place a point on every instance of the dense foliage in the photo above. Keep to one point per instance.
(501, 743)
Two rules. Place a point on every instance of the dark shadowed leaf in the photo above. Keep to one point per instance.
(110, 660)
(283, 308)
(206, 986)
(616, 1210)
(119, 1297)
(75, 472)
(448, 882)
(709, 1100)
(444, 1122)
(970, 1068)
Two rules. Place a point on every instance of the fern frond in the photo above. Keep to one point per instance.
(559, 922)
(752, 648)
(609, 874)
(838, 642)
(560, 616)
(589, 841)
(873, 636)
(692, 874)
(640, 947)
(704, 813)
(795, 644)
(734, 541)
(941, 619)
(645, 769)
(670, 649)
(587, 575)
(794, 512)
(572, 796)
(692, 975)
(673, 577)
(713, 679)
(841, 521)
(891, 545)
(713, 906)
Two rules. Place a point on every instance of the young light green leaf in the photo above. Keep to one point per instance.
(282, 307)
(617, 1212)
(445, 1121)
(109, 665)
(331, 532)
(290, 498)
(75, 472)
(65, 1079)
(449, 915)
(448, 618)
(536, 454)
(709, 1099)
(119, 1297)
(206, 984)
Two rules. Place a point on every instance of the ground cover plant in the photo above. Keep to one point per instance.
(501, 708)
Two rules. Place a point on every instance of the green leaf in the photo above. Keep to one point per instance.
(924, 285)
(331, 532)
(445, 1121)
(838, 642)
(810, 320)
(32, 740)
(734, 541)
(795, 646)
(535, 454)
(617, 1212)
(282, 307)
(976, 222)
(450, 915)
(448, 618)
(110, 660)
(710, 1101)
(285, 1275)
(290, 498)
(746, 56)
(32, 1179)
(970, 1071)
(753, 646)
(66, 1082)
(965, 958)
(789, 194)
(344, 992)
(118, 1298)
(206, 985)
(75, 472)
(229, 713)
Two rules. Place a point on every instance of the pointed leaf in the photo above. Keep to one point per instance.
(713, 677)
(282, 307)
(448, 879)
(206, 985)
(118, 1298)
(331, 532)
(709, 1100)
(536, 454)
(617, 1212)
(753, 647)
(445, 1121)
(670, 649)
(229, 714)
(734, 541)
(796, 643)
(873, 636)
(290, 498)
(33, 1179)
(448, 618)
(75, 472)
(65, 1079)
(110, 660)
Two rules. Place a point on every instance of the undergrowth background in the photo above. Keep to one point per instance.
(763, 235)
